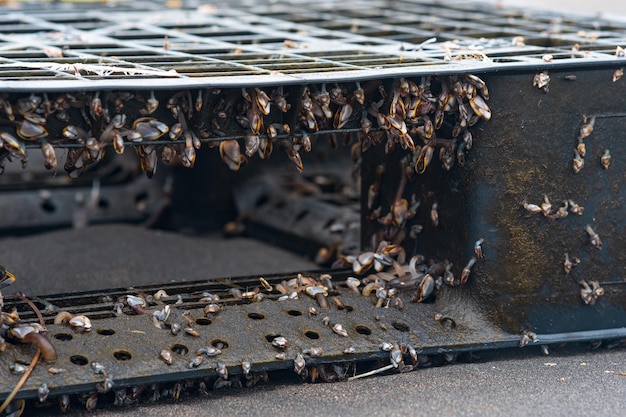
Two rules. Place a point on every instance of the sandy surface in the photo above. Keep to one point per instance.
(112, 256)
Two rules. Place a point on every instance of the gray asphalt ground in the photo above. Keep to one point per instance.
(572, 381)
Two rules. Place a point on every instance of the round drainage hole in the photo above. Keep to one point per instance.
(448, 323)
(398, 325)
(180, 349)
(122, 355)
(261, 200)
(103, 204)
(105, 332)
(79, 360)
(347, 308)
(311, 334)
(64, 337)
(48, 206)
(270, 337)
(294, 313)
(219, 343)
(203, 321)
(256, 316)
(363, 330)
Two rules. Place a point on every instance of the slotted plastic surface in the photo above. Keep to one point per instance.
(129, 345)
(236, 43)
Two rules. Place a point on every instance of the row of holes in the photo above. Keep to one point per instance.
(64, 337)
(202, 321)
(294, 313)
(120, 355)
(124, 355)
(360, 329)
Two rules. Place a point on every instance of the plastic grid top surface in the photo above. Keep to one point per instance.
(55, 46)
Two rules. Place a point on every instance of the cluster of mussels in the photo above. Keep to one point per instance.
(384, 289)
(414, 111)
(414, 116)
(173, 126)
(13, 330)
